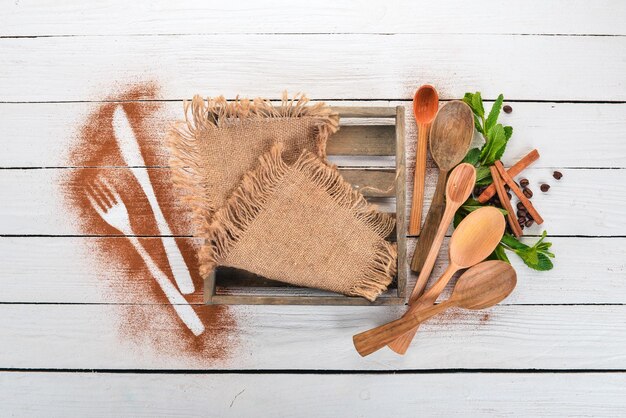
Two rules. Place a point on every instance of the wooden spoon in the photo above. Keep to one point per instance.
(425, 105)
(472, 241)
(450, 138)
(480, 287)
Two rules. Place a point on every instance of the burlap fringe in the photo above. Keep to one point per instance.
(242, 207)
(211, 113)
(231, 222)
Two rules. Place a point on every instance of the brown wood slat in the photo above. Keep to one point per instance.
(363, 140)
(378, 182)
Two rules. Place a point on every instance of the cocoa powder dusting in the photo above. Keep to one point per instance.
(149, 318)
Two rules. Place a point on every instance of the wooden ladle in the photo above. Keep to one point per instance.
(425, 105)
(450, 137)
(472, 241)
(480, 287)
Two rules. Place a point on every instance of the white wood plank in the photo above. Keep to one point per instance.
(567, 135)
(324, 16)
(584, 202)
(326, 66)
(312, 337)
(74, 270)
(237, 395)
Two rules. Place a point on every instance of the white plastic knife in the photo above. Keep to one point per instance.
(132, 155)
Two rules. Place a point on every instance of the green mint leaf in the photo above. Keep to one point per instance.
(543, 263)
(458, 217)
(508, 132)
(472, 156)
(499, 254)
(477, 125)
(483, 176)
(494, 147)
(494, 113)
(513, 243)
(477, 105)
(468, 98)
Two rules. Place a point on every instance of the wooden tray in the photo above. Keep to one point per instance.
(370, 134)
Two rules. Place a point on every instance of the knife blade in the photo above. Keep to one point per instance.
(131, 154)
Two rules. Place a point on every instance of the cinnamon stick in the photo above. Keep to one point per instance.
(518, 192)
(517, 168)
(504, 199)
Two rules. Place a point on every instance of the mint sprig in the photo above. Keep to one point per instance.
(496, 139)
(536, 257)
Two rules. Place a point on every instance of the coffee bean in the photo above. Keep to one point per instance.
(524, 182)
(507, 109)
(557, 175)
(529, 216)
(527, 192)
(529, 223)
(521, 227)
(509, 195)
(521, 220)
(520, 205)
(521, 213)
(506, 187)
(545, 187)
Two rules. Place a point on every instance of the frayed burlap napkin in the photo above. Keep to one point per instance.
(220, 141)
(301, 223)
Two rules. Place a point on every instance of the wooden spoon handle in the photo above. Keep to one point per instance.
(415, 220)
(433, 219)
(373, 340)
(402, 343)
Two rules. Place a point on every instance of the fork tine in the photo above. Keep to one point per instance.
(99, 189)
(110, 192)
(95, 200)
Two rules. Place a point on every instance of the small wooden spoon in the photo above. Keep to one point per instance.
(450, 138)
(425, 105)
(480, 287)
(472, 241)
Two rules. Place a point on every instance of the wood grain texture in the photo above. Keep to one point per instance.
(274, 337)
(69, 270)
(40, 134)
(236, 395)
(328, 16)
(596, 201)
(355, 66)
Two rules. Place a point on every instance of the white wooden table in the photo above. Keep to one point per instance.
(557, 346)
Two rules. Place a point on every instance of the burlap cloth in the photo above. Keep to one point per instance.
(220, 141)
(301, 223)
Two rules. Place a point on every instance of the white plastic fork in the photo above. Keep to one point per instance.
(110, 206)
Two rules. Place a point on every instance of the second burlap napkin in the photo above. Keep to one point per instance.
(299, 222)
(219, 141)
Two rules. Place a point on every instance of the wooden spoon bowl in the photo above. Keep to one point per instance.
(476, 237)
(451, 134)
(485, 285)
(425, 104)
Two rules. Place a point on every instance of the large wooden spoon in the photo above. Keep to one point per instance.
(480, 287)
(450, 138)
(472, 241)
(425, 105)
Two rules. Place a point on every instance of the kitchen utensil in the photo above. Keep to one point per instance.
(472, 241)
(131, 153)
(450, 138)
(109, 205)
(425, 105)
(480, 287)
(460, 185)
